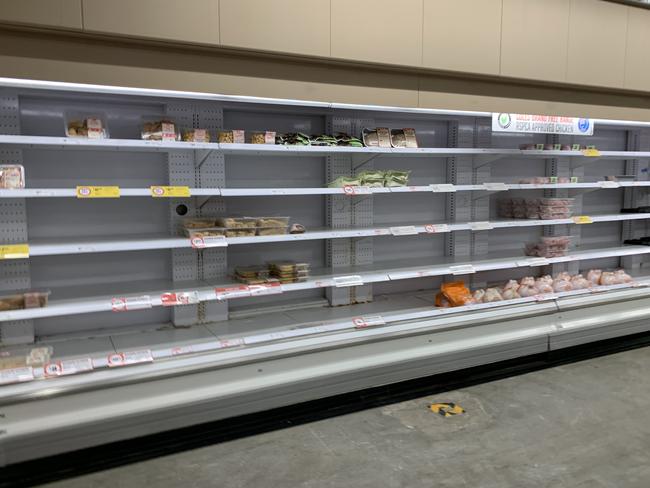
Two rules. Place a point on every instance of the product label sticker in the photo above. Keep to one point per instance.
(495, 186)
(480, 225)
(68, 366)
(538, 261)
(208, 241)
(238, 341)
(582, 219)
(443, 188)
(343, 281)
(171, 299)
(609, 184)
(545, 296)
(168, 132)
(368, 321)
(235, 291)
(129, 357)
(436, 228)
(265, 289)
(123, 304)
(98, 192)
(591, 153)
(404, 230)
(179, 350)
(16, 375)
(356, 190)
(170, 191)
(462, 269)
(14, 251)
(201, 135)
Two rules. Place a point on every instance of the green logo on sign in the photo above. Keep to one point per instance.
(504, 120)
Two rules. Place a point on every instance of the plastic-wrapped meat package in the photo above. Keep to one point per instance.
(594, 276)
(527, 281)
(556, 240)
(548, 279)
(608, 278)
(477, 296)
(563, 179)
(544, 286)
(552, 213)
(492, 295)
(579, 282)
(562, 285)
(511, 285)
(622, 277)
(528, 291)
(509, 294)
(556, 202)
(564, 275)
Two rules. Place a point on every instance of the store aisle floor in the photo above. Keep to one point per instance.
(583, 425)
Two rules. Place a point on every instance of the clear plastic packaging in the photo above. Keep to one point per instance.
(160, 130)
(396, 178)
(272, 231)
(266, 137)
(12, 176)
(231, 137)
(237, 222)
(195, 135)
(265, 222)
(86, 125)
(556, 202)
(198, 222)
(371, 178)
(205, 232)
(403, 138)
(24, 299)
(22, 356)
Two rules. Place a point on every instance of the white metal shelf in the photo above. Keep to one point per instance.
(168, 349)
(100, 244)
(239, 192)
(99, 298)
(137, 145)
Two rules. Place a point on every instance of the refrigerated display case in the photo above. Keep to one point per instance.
(120, 321)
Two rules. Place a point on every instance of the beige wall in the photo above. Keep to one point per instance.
(584, 42)
(26, 55)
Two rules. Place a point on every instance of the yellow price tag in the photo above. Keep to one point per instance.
(582, 219)
(170, 191)
(591, 153)
(98, 192)
(14, 251)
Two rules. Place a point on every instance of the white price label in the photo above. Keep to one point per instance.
(356, 190)
(231, 342)
(265, 289)
(495, 186)
(462, 269)
(609, 184)
(436, 228)
(534, 262)
(404, 230)
(129, 357)
(208, 241)
(545, 296)
(68, 366)
(236, 291)
(16, 375)
(343, 281)
(171, 299)
(480, 225)
(368, 321)
(123, 304)
(443, 188)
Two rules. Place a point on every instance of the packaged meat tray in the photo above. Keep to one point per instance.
(89, 126)
(237, 222)
(266, 222)
(12, 176)
(205, 232)
(267, 137)
(20, 357)
(24, 299)
(272, 231)
(159, 130)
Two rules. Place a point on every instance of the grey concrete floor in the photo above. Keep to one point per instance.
(584, 425)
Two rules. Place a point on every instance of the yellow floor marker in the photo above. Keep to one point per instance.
(446, 409)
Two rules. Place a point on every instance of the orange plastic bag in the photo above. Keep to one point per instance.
(453, 294)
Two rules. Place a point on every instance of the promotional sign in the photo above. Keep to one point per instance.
(542, 124)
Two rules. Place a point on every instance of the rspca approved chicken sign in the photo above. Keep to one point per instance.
(542, 124)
